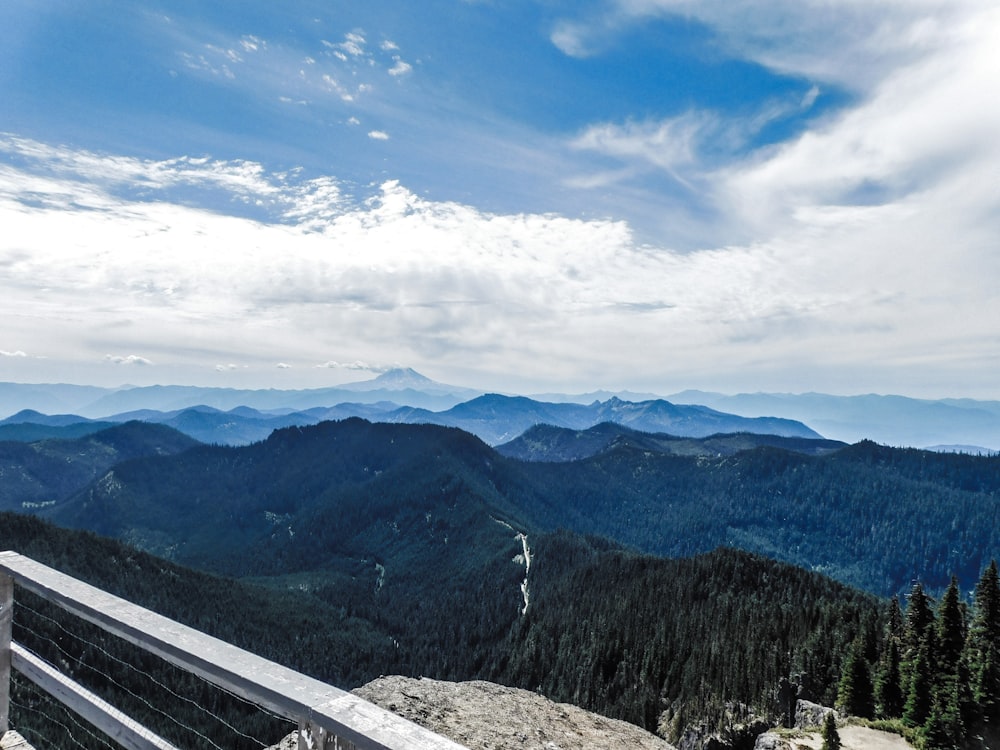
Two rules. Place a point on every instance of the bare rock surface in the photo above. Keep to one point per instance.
(487, 716)
(852, 737)
(809, 715)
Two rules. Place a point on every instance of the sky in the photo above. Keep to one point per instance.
(530, 196)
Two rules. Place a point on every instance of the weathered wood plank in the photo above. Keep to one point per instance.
(117, 725)
(13, 741)
(6, 622)
(277, 688)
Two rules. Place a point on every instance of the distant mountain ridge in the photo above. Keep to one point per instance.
(868, 515)
(399, 385)
(497, 419)
(491, 417)
(550, 444)
(887, 419)
(38, 474)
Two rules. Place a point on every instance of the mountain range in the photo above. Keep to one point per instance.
(491, 417)
(965, 425)
(869, 515)
(973, 426)
(596, 567)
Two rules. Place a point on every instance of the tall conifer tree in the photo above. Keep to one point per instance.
(950, 631)
(920, 691)
(983, 646)
(855, 694)
(889, 696)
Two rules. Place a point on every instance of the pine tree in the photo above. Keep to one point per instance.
(855, 694)
(920, 692)
(894, 620)
(944, 729)
(916, 668)
(831, 737)
(950, 632)
(919, 621)
(983, 646)
(889, 696)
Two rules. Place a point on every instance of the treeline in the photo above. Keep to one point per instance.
(935, 668)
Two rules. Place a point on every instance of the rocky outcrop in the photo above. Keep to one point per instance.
(810, 715)
(771, 741)
(487, 716)
(737, 729)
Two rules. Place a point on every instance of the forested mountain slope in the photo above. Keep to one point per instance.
(623, 634)
(46, 471)
(872, 516)
(868, 515)
(556, 444)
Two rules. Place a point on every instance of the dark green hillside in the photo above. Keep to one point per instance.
(294, 628)
(623, 634)
(871, 516)
(332, 483)
(555, 444)
(637, 634)
(30, 432)
(47, 471)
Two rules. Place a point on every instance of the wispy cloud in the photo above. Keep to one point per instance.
(17, 353)
(66, 177)
(131, 359)
(400, 67)
(833, 259)
(446, 283)
(378, 135)
(305, 73)
(357, 365)
(853, 44)
(669, 144)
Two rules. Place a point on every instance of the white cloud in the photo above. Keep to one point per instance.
(251, 43)
(64, 177)
(131, 359)
(400, 67)
(571, 39)
(667, 144)
(283, 366)
(353, 45)
(17, 353)
(378, 135)
(356, 365)
(810, 98)
(926, 126)
(854, 251)
(389, 46)
(853, 43)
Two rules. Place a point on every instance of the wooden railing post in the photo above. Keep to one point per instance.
(6, 623)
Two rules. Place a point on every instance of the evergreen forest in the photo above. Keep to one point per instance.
(671, 586)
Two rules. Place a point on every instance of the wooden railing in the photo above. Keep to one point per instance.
(327, 717)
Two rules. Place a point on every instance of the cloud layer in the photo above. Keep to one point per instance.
(857, 253)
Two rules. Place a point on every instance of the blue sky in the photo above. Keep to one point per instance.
(535, 195)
